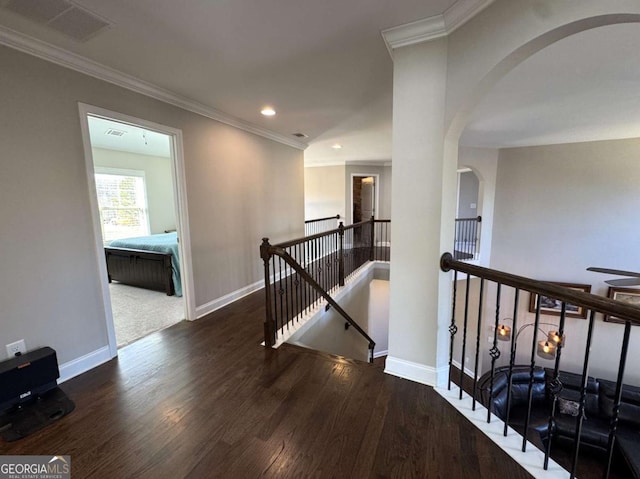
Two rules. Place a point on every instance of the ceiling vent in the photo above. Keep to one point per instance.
(60, 15)
(114, 132)
(300, 135)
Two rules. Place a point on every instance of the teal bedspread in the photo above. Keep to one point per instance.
(163, 243)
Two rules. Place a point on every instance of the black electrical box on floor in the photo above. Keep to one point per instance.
(27, 376)
(30, 398)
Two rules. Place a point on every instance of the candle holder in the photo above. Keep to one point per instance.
(547, 348)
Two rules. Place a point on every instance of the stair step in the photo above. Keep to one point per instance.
(377, 363)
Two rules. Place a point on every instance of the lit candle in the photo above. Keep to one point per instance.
(554, 336)
(504, 332)
(546, 349)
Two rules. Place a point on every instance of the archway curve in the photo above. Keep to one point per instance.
(454, 129)
(518, 56)
(459, 120)
(473, 169)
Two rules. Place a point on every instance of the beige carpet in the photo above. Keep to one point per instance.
(138, 312)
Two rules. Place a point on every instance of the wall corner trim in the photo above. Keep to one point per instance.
(412, 371)
(434, 27)
(51, 53)
(80, 365)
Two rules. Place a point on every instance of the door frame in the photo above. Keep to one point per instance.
(376, 202)
(180, 198)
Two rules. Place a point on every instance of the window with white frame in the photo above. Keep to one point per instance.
(122, 201)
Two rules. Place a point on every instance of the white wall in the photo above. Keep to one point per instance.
(327, 190)
(560, 209)
(506, 33)
(383, 186)
(324, 192)
(419, 185)
(157, 173)
(484, 163)
(468, 185)
(240, 187)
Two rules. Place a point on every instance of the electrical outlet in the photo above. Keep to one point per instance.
(17, 347)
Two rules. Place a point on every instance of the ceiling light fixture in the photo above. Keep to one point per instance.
(268, 111)
(337, 146)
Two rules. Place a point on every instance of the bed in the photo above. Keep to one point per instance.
(150, 262)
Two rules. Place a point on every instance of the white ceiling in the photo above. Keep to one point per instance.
(324, 67)
(320, 64)
(134, 140)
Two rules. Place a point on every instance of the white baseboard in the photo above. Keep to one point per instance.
(379, 354)
(80, 365)
(532, 460)
(227, 299)
(414, 371)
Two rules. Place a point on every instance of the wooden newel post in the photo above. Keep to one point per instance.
(372, 255)
(341, 254)
(269, 326)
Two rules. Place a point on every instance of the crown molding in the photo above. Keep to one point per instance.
(415, 32)
(434, 27)
(329, 163)
(59, 56)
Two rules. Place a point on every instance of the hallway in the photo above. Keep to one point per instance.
(204, 399)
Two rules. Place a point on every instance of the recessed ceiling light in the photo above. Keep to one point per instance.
(300, 135)
(337, 146)
(268, 111)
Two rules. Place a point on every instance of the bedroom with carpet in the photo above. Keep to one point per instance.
(136, 203)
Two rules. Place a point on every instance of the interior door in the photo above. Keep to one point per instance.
(368, 197)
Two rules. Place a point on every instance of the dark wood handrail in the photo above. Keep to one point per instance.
(279, 251)
(570, 296)
(288, 244)
(336, 217)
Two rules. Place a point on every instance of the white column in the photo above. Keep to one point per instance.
(419, 293)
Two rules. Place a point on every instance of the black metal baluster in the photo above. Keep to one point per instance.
(512, 358)
(555, 386)
(281, 294)
(534, 345)
(466, 238)
(297, 283)
(341, 254)
(583, 395)
(275, 294)
(316, 273)
(477, 362)
(305, 288)
(453, 329)
(616, 407)
(494, 352)
(464, 333)
(290, 288)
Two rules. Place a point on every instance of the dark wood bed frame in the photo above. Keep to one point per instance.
(135, 267)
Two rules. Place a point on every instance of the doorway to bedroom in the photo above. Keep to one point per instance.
(134, 190)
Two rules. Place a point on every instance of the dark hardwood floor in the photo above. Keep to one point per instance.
(204, 399)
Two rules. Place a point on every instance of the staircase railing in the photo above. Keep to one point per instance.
(320, 225)
(301, 272)
(467, 238)
(507, 288)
